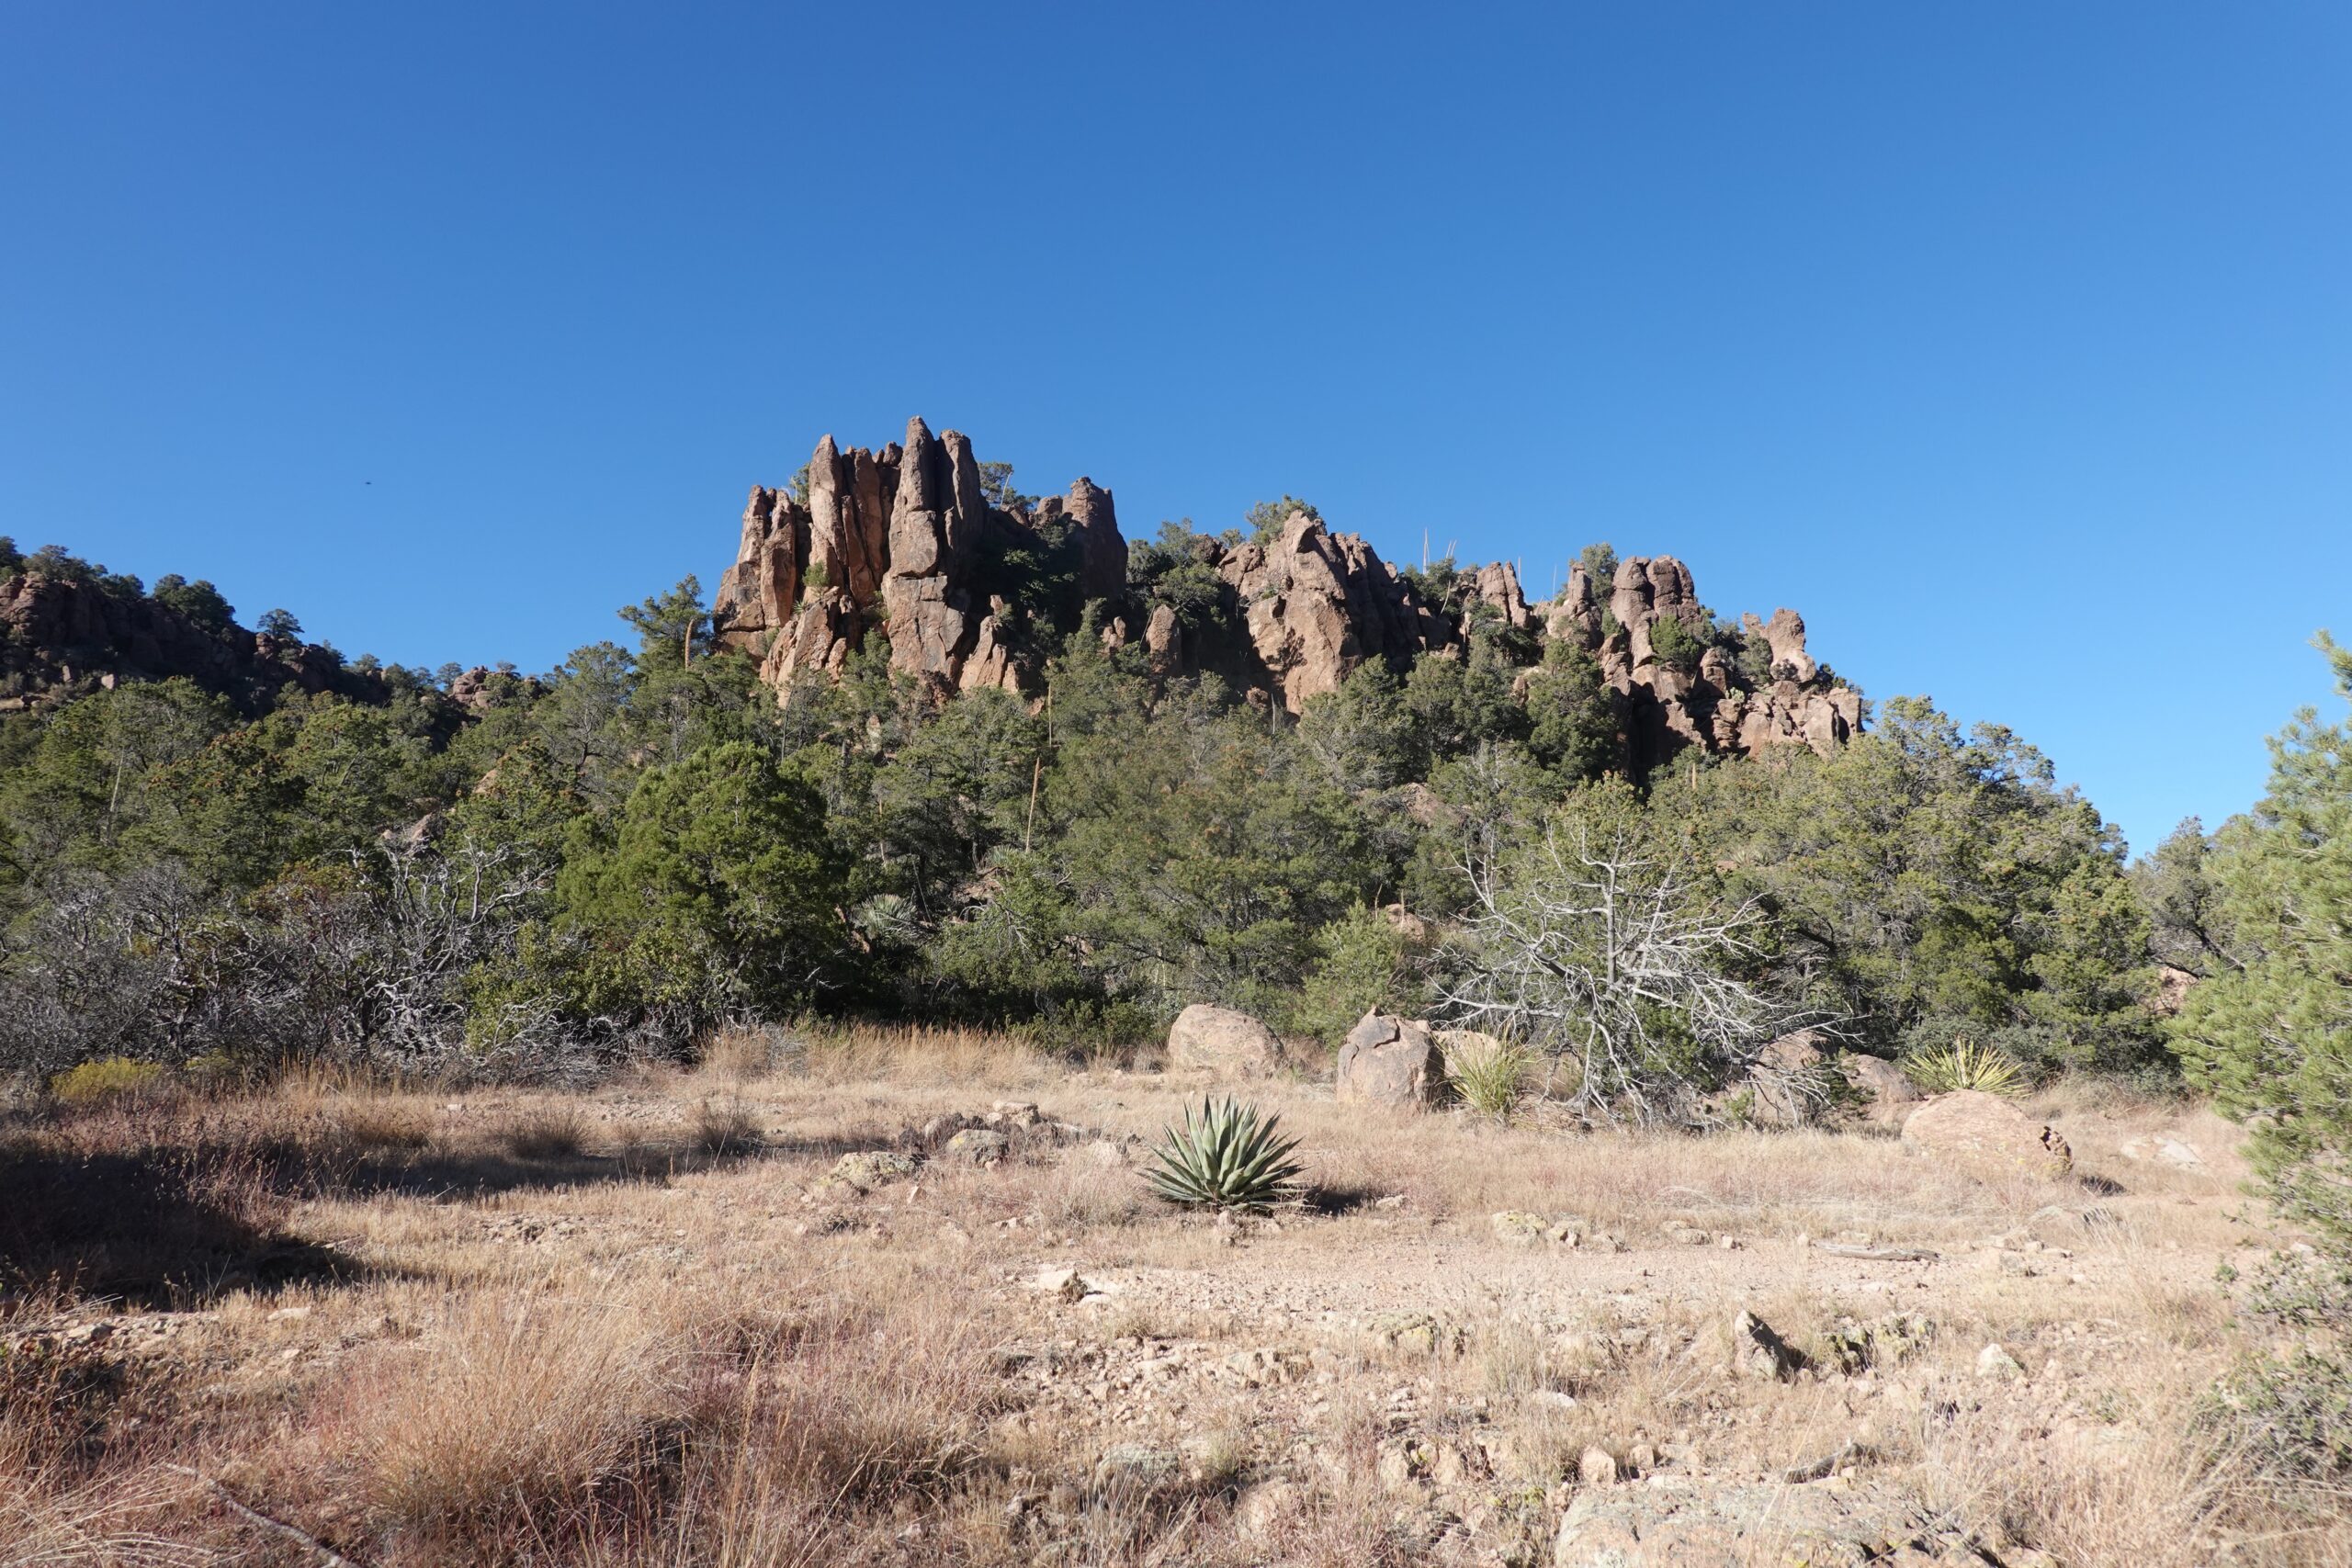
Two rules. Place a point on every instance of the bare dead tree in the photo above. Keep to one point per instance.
(1596, 944)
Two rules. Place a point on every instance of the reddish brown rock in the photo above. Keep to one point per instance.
(1389, 1061)
(1886, 1092)
(1987, 1137)
(1224, 1042)
(892, 541)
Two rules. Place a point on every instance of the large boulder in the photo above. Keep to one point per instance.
(1885, 1091)
(1389, 1061)
(1986, 1136)
(1787, 1079)
(1231, 1045)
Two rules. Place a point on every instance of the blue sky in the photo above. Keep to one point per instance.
(2012, 344)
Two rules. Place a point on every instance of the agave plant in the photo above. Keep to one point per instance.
(1226, 1156)
(1988, 1069)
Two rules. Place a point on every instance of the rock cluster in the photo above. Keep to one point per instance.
(890, 542)
(894, 543)
(1676, 700)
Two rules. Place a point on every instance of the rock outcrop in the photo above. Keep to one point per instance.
(893, 542)
(907, 543)
(63, 634)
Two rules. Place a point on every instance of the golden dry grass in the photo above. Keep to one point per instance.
(631, 1327)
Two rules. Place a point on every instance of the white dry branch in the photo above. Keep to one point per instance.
(1600, 948)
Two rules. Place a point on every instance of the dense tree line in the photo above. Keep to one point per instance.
(608, 858)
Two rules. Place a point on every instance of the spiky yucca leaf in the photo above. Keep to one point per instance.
(1986, 1068)
(1226, 1156)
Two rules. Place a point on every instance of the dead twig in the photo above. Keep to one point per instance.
(328, 1556)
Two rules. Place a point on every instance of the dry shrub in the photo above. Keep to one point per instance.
(915, 1054)
(513, 1416)
(725, 1126)
(378, 1123)
(109, 1523)
(113, 1077)
(545, 1132)
(741, 1056)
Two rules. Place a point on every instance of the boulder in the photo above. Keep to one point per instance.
(1787, 1078)
(1886, 1093)
(1987, 1137)
(1389, 1061)
(1206, 1038)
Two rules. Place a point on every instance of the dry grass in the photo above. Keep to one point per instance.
(608, 1329)
(545, 1132)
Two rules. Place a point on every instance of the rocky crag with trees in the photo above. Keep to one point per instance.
(924, 550)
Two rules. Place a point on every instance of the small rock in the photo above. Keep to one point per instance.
(979, 1146)
(867, 1169)
(1757, 1352)
(1137, 1467)
(1063, 1283)
(1265, 1507)
(1518, 1227)
(1994, 1362)
(1597, 1466)
(2163, 1151)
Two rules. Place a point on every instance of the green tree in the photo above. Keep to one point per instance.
(715, 890)
(1361, 961)
(1264, 519)
(2271, 1038)
(1932, 884)
(1576, 726)
(199, 601)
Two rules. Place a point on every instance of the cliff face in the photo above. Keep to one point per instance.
(61, 634)
(896, 544)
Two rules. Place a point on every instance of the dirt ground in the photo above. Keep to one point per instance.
(650, 1323)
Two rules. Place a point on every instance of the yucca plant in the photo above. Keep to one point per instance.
(1226, 1156)
(1490, 1078)
(1988, 1069)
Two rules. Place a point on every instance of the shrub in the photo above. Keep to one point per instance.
(112, 1078)
(1490, 1078)
(1226, 1158)
(554, 1131)
(1960, 1065)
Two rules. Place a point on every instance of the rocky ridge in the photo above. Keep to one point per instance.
(905, 543)
(61, 634)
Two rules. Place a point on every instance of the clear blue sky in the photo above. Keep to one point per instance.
(2012, 344)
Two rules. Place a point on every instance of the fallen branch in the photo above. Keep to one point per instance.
(1878, 1254)
(328, 1556)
